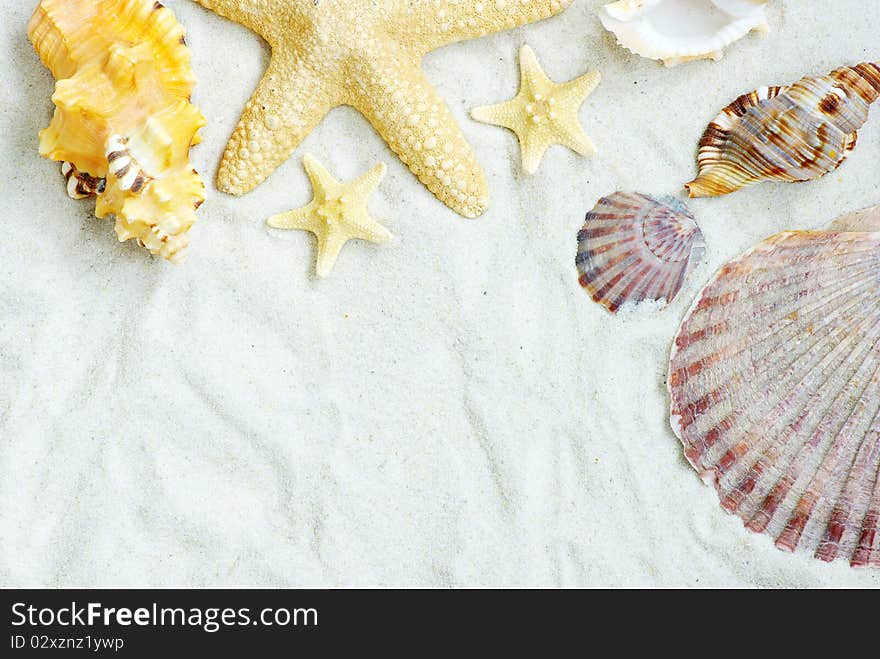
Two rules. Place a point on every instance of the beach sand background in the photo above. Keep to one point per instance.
(448, 410)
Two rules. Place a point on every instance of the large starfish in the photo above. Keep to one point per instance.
(367, 54)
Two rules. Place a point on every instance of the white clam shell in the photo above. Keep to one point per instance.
(677, 31)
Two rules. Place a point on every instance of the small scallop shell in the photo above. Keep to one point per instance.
(123, 123)
(774, 381)
(677, 31)
(634, 248)
(794, 133)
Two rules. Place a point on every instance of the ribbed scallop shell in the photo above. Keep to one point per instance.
(634, 248)
(794, 133)
(677, 31)
(774, 382)
(124, 81)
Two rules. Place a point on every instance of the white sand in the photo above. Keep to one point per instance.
(448, 410)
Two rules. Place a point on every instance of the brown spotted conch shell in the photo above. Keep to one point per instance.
(123, 123)
(793, 133)
(774, 381)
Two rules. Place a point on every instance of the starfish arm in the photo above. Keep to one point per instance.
(429, 24)
(533, 145)
(300, 218)
(323, 182)
(572, 94)
(364, 186)
(504, 114)
(329, 245)
(358, 193)
(574, 137)
(394, 96)
(577, 90)
(366, 228)
(243, 12)
(289, 102)
(532, 78)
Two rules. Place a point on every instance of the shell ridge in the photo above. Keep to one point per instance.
(770, 355)
(777, 331)
(715, 452)
(774, 382)
(865, 552)
(635, 249)
(812, 514)
(607, 281)
(841, 529)
(797, 382)
(767, 496)
(806, 461)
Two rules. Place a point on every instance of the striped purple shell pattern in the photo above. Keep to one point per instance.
(634, 248)
(774, 381)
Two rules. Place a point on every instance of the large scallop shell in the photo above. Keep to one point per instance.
(634, 248)
(794, 133)
(774, 381)
(124, 82)
(677, 31)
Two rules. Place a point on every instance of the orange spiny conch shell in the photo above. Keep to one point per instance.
(793, 133)
(774, 380)
(123, 123)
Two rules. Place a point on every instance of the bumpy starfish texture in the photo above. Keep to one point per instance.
(363, 53)
(337, 213)
(543, 112)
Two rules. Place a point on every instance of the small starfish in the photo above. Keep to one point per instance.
(367, 54)
(543, 112)
(337, 213)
